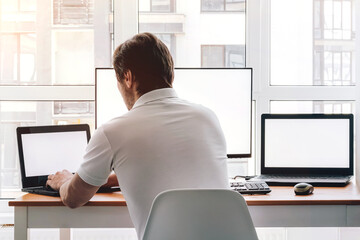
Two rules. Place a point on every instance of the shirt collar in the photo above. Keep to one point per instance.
(155, 95)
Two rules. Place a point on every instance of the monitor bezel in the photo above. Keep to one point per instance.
(41, 180)
(240, 155)
(325, 171)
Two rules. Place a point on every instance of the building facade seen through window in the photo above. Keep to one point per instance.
(334, 42)
(327, 107)
(229, 56)
(223, 5)
(38, 39)
(73, 12)
(198, 38)
(319, 47)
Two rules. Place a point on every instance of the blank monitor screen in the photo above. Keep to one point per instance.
(228, 92)
(46, 153)
(307, 143)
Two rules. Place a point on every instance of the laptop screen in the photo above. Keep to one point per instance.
(47, 153)
(307, 142)
(44, 150)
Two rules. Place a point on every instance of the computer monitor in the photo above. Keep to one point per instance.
(226, 91)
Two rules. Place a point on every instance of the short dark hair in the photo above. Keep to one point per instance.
(148, 59)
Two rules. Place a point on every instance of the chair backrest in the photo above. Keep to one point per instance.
(199, 214)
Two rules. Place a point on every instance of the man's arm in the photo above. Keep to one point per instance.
(74, 191)
(112, 181)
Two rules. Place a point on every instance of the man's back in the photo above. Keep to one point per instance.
(165, 143)
(162, 143)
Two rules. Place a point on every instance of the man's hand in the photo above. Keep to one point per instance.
(111, 182)
(55, 181)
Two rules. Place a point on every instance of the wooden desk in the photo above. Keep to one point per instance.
(327, 207)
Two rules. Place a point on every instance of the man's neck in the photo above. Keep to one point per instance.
(137, 95)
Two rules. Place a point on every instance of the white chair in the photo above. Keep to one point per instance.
(199, 214)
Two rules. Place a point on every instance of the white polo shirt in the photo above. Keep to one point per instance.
(162, 143)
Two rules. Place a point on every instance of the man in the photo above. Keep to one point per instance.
(162, 143)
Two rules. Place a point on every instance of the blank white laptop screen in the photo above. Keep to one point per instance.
(307, 143)
(47, 153)
(227, 92)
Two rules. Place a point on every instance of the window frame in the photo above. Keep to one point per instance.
(257, 56)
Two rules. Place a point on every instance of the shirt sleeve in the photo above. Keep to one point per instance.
(97, 164)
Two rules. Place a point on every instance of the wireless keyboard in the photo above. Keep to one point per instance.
(250, 187)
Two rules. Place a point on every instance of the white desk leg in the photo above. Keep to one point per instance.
(21, 223)
(65, 234)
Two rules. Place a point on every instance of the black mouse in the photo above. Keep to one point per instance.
(303, 189)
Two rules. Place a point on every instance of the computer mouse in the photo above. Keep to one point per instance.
(303, 189)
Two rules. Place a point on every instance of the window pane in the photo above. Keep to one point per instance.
(328, 107)
(199, 39)
(9, 58)
(212, 56)
(235, 5)
(9, 5)
(27, 5)
(160, 5)
(29, 113)
(73, 108)
(27, 58)
(212, 5)
(346, 63)
(234, 56)
(308, 40)
(42, 52)
(67, 12)
(346, 17)
(72, 68)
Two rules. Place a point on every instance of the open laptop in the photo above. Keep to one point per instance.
(44, 150)
(312, 148)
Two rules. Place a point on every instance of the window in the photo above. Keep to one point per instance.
(17, 51)
(38, 52)
(333, 60)
(230, 56)
(333, 19)
(73, 12)
(307, 60)
(14, 114)
(223, 5)
(42, 81)
(17, 42)
(319, 46)
(195, 39)
(157, 6)
(327, 107)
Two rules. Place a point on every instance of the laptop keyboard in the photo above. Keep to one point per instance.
(290, 180)
(43, 190)
(258, 187)
(299, 176)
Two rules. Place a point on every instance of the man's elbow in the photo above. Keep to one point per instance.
(71, 203)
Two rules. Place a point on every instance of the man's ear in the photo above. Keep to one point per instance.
(128, 79)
